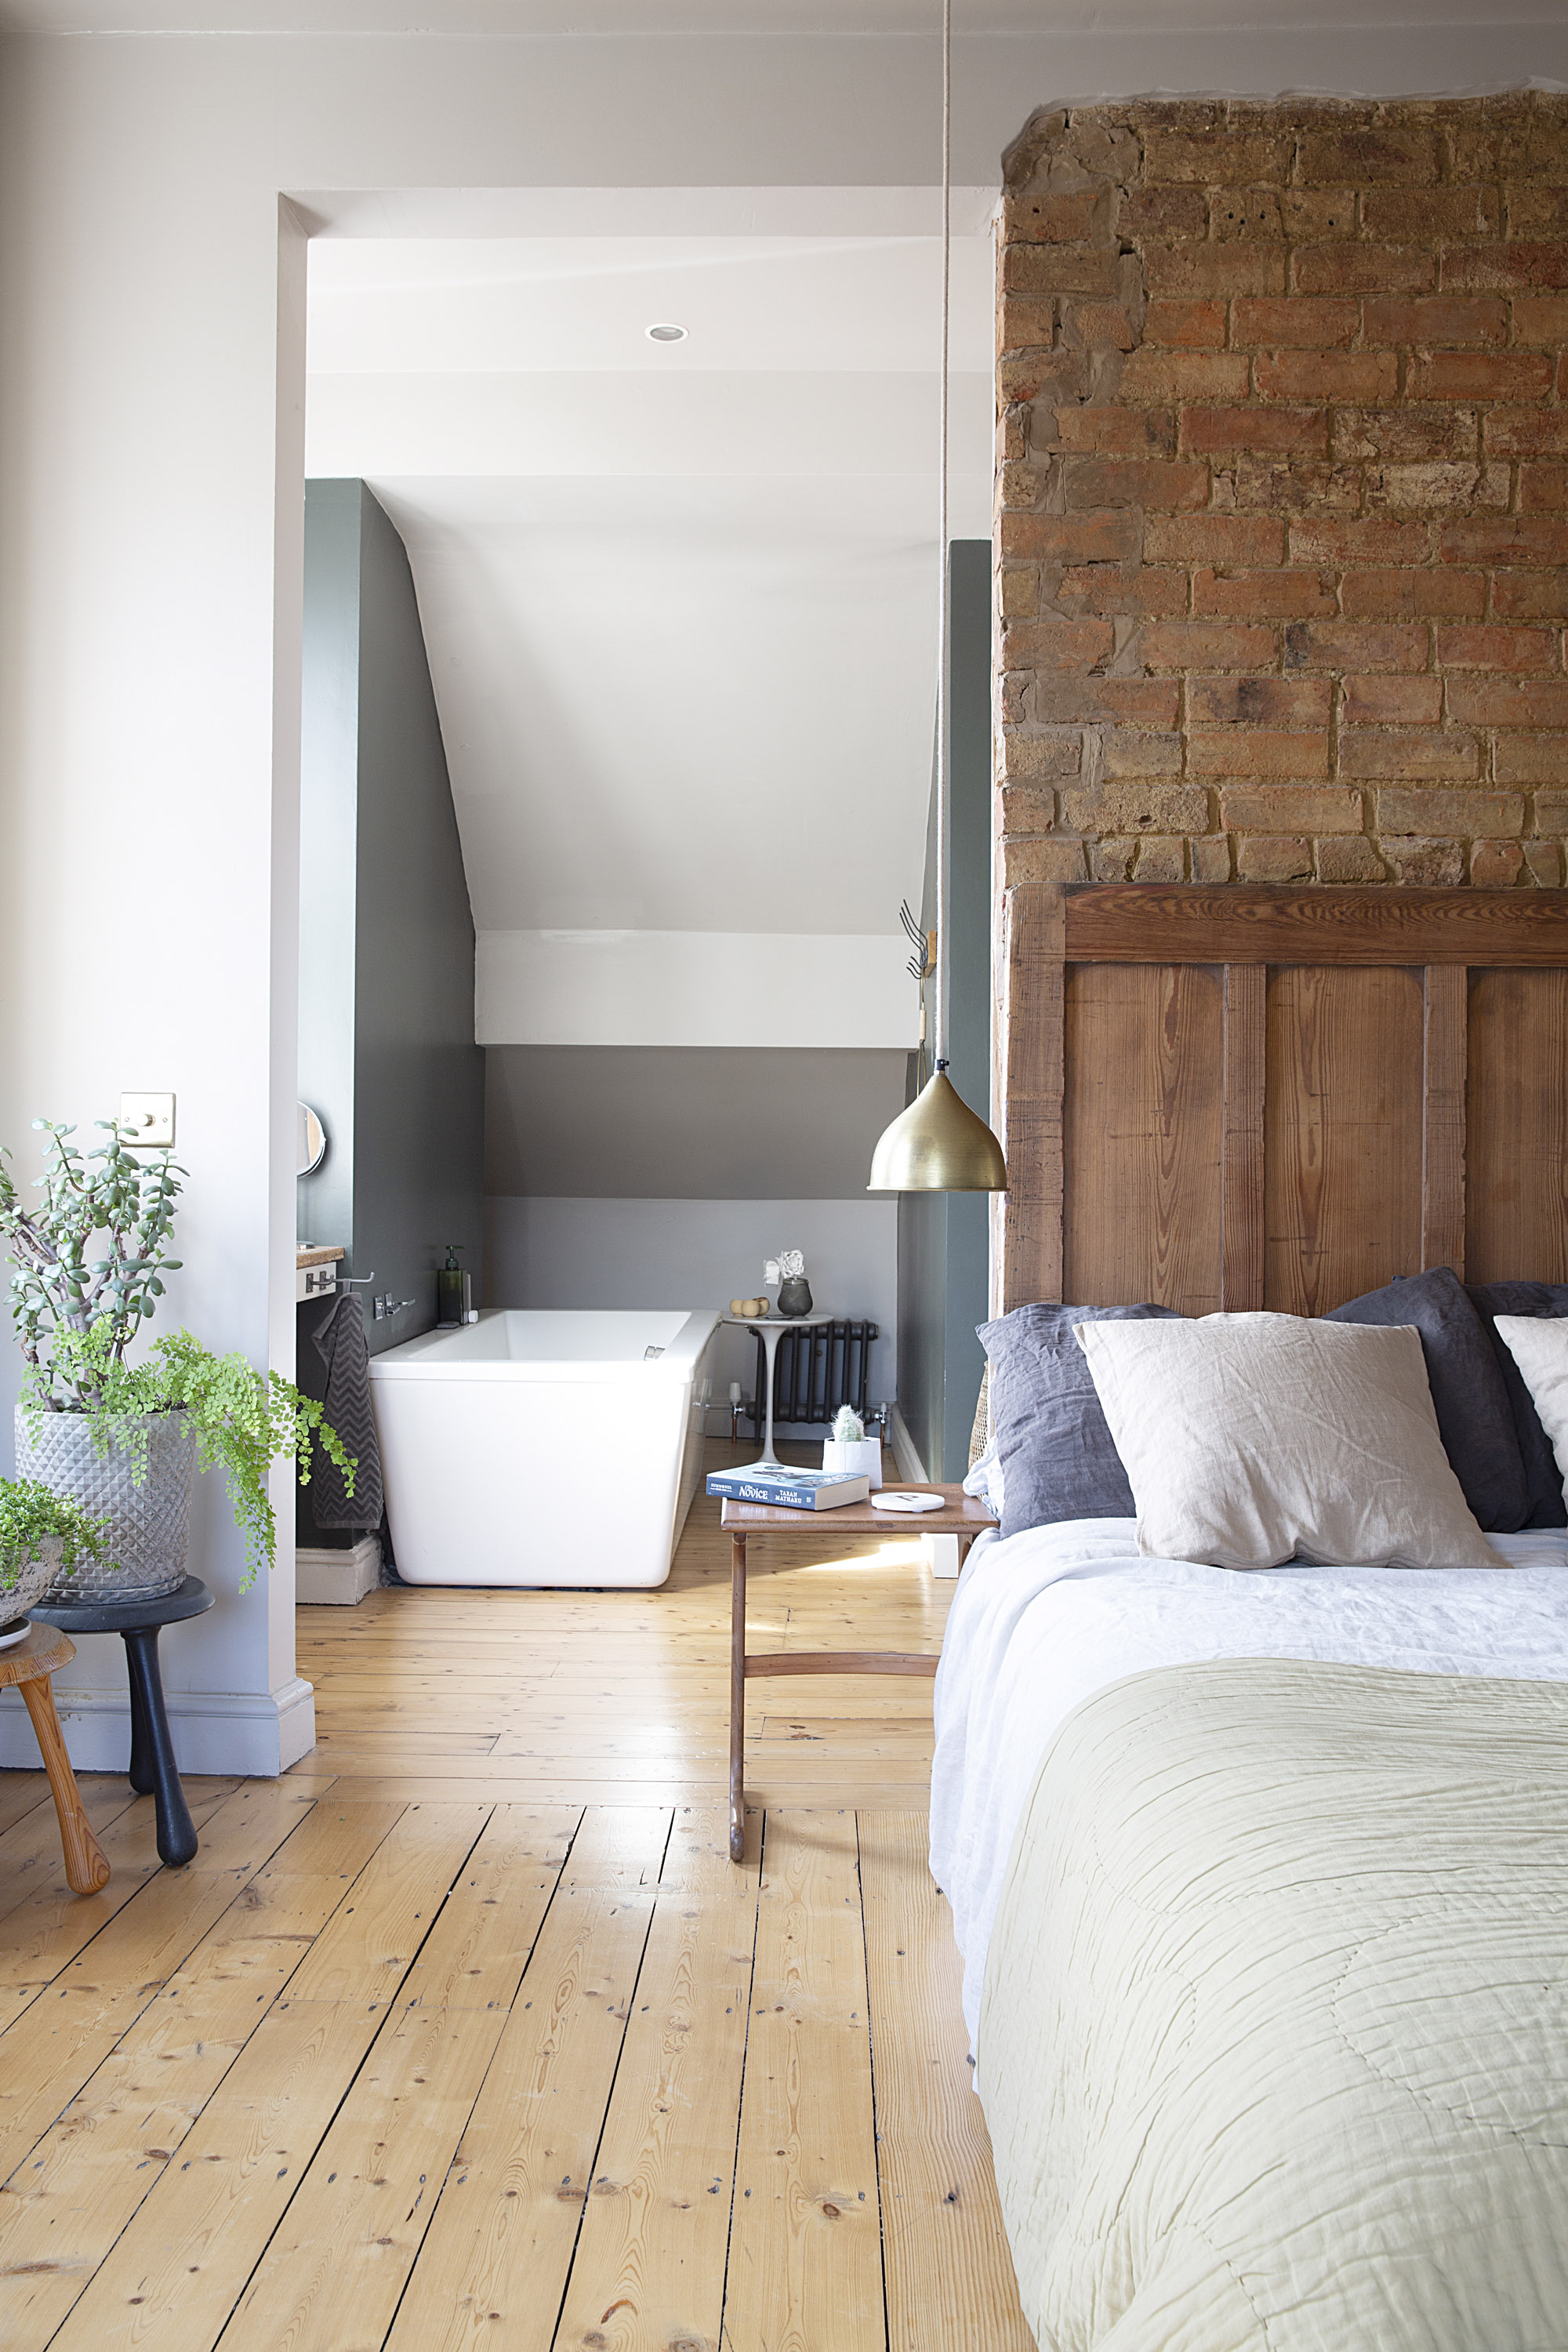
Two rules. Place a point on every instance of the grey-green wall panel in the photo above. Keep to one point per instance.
(944, 1236)
(387, 950)
(685, 1123)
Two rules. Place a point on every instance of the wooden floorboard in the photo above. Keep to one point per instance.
(467, 2032)
(805, 2257)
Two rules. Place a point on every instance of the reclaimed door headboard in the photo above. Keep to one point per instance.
(1238, 1096)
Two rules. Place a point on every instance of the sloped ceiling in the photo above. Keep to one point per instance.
(679, 598)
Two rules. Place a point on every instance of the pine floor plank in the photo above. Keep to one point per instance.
(649, 2267)
(946, 2250)
(48, 2053)
(173, 2279)
(392, 1906)
(50, 1924)
(83, 2181)
(888, 1792)
(21, 1790)
(805, 2268)
(288, 2082)
(330, 2278)
(490, 1891)
(499, 2250)
(30, 1857)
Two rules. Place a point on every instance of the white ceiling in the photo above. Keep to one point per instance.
(448, 306)
(679, 600)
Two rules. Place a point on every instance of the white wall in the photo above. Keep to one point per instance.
(152, 368)
(697, 988)
(665, 1253)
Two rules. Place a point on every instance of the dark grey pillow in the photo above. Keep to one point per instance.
(1474, 1418)
(1056, 1450)
(1542, 1478)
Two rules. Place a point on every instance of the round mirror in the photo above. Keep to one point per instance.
(311, 1141)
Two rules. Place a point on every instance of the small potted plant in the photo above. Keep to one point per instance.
(123, 1440)
(43, 1539)
(849, 1448)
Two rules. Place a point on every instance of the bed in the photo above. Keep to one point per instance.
(1261, 1879)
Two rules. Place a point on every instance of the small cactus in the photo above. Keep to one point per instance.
(847, 1429)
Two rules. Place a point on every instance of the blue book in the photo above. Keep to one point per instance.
(794, 1490)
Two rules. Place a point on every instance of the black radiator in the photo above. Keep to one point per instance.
(817, 1370)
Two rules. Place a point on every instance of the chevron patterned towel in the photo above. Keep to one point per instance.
(338, 1341)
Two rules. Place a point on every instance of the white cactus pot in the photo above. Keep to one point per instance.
(862, 1456)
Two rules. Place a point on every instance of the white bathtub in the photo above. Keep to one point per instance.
(537, 1448)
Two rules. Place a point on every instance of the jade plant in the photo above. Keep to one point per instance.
(31, 1515)
(88, 1267)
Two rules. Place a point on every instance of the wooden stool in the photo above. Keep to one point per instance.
(30, 1664)
(137, 1622)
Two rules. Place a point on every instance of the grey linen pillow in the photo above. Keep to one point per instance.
(1046, 1422)
(1476, 1419)
(1542, 1479)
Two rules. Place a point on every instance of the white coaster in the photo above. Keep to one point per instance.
(899, 1499)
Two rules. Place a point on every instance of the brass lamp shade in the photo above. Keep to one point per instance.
(938, 1145)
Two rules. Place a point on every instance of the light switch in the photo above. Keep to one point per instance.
(151, 1118)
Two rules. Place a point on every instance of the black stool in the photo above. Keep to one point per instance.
(139, 1623)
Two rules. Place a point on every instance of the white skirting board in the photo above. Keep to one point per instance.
(912, 1469)
(939, 1552)
(338, 1579)
(259, 1734)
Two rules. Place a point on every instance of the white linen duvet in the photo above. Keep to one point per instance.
(1043, 1620)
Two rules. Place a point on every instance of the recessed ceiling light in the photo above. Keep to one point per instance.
(665, 334)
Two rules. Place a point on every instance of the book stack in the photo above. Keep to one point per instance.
(777, 1486)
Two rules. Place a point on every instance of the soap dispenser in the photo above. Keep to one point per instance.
(454, 1291)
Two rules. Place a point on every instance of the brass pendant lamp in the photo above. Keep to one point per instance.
(938, 1144)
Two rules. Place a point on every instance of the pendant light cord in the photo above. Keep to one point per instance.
(943, 589)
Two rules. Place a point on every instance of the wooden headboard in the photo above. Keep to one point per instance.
(1239, 1097)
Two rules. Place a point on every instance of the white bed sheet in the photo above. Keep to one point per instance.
(1042, 1621)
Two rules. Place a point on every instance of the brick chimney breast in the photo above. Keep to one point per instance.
(1282, 492)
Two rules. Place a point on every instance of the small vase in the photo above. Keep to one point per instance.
(794, 1295)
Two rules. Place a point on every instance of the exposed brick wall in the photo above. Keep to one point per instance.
(1283, 492)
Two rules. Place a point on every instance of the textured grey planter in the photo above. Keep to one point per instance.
(31, 1580)
(147, 1526)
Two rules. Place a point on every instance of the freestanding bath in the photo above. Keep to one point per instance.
(543, 1448)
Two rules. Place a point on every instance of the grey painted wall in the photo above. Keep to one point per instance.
(943, 1236)
(386, 965)
(691, 1122)
(699, 1253)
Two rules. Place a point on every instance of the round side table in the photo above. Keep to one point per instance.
(29, 1664)
(139, 1623)
(770, 1329)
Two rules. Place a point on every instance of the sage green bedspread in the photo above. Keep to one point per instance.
(1274, 2044)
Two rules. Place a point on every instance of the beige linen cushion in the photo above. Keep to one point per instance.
(1539, 1346)
(1252, 1438)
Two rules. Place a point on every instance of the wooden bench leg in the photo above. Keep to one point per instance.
(737, 1698)
(86, 1867)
